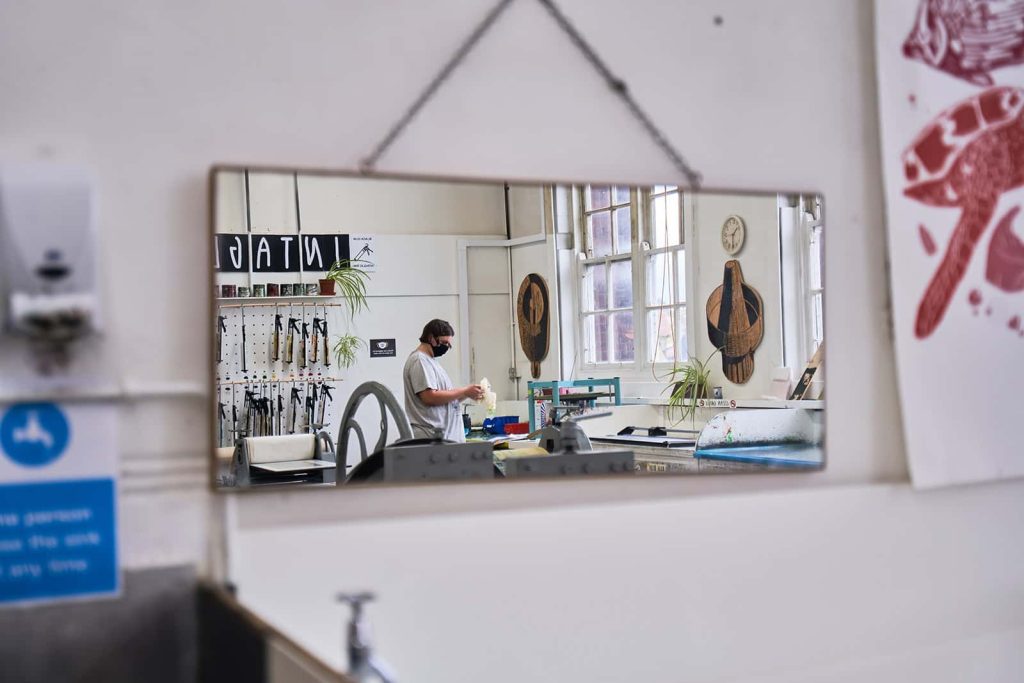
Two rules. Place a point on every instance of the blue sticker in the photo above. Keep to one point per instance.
(34, 434)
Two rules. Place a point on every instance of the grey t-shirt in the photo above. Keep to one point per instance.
(422, 371)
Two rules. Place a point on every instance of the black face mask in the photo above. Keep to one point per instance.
(440, 349)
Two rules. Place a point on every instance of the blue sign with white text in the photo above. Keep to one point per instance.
(34, 434)
(58, 538)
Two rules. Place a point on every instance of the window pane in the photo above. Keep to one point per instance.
(622, 284)
(599, 337)
(595, 288)
(815, 256)
(658, 221)
(624, 336)
(659, 335)
(672, 222)
(681, 276)
(819, 321)
(682, 343)
(659, 280)
(623, 231)
(621, 195)
(599, 227)
(598, 197)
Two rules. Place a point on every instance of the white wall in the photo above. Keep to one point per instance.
(781, 95)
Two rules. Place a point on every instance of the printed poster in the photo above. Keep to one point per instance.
(951, 98)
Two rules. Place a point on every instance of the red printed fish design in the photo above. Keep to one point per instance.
(1005, 267)
(968, 38)
(967, 157)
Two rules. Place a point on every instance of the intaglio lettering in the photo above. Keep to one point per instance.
(235, 252)
(311, 250)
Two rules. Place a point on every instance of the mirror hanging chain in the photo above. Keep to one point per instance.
(618, 86)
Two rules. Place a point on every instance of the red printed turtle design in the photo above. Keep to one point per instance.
(967, 157)
(968, 38)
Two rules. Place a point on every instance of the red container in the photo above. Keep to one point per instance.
(517, 428)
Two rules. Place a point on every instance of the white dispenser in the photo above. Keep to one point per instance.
(48, 288)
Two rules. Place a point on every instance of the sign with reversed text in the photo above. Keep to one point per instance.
(58, 501)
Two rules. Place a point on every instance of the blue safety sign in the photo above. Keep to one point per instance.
(58, 502)
(34, 434)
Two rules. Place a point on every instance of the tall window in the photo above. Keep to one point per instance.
(815, 289)
(607, 282)
(632, 290)
(665, 269)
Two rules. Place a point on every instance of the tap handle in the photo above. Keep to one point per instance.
(356, 600)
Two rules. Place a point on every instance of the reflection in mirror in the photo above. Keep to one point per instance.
(410, 330)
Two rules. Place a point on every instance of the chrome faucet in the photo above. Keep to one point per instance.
(363, 665)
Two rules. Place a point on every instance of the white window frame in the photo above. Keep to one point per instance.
(639, 256)
(808, 225)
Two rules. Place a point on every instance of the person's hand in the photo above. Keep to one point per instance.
(473, 391)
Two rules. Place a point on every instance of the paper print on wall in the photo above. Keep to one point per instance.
(533, 310)
(735, 315)
(951, 79)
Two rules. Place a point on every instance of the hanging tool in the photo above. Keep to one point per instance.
(311, 398)
(316, 338)
(221, 417)
(221, 329)
(289, 343)
(243, 339)
(234, 416)
(302, 343)
(275, 339)
(325, 396)
(295, 402)
(280, 412)
(323, 333)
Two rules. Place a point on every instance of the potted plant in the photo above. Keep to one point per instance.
(689, 382)
(347, 280)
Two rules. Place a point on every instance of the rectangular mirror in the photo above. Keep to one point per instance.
(399, 330)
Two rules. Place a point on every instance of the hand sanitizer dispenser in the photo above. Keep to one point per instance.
(48, 290)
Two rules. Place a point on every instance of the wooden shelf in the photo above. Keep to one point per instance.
(302, 297)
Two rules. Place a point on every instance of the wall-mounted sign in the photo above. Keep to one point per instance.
(282, 253)
(58, 501)
(382, 348)
(364, 253)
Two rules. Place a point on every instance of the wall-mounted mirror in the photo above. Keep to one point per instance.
(400, 330)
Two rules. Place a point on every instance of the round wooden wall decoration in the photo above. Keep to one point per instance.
(533, 310)
(735, 314)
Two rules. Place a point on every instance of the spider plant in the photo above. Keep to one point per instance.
(351, 283)
(688, 382)
(345, 349)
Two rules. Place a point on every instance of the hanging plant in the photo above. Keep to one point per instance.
(345, 349)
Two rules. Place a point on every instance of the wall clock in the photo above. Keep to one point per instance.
(734, 232)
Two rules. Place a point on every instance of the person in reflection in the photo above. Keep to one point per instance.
(431, 403)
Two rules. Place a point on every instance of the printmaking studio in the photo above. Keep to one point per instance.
(606, 329)
(511, 341)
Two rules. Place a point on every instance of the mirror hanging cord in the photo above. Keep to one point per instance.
(617, 86)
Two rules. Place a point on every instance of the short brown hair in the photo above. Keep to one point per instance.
(436, 328)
